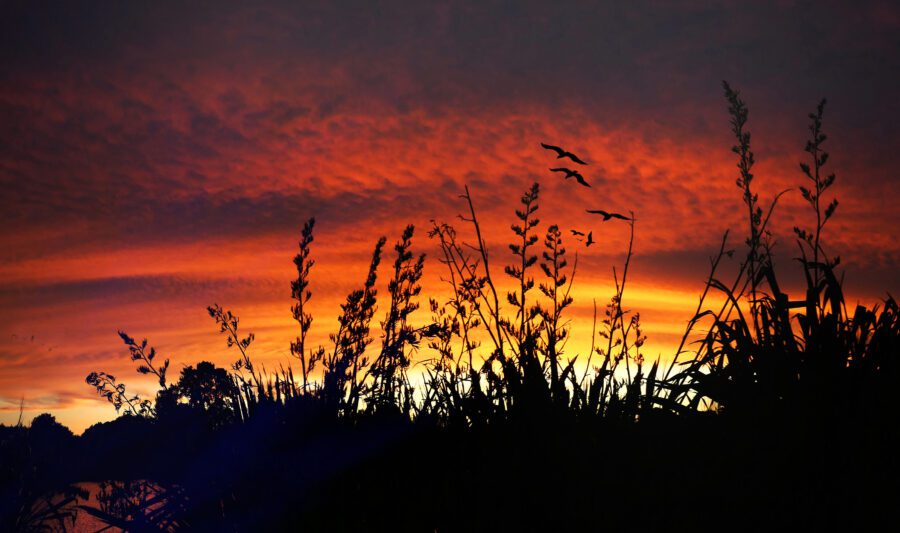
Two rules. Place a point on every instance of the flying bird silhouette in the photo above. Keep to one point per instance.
(560, 153)
(576, 232)
(590, 239)
(606, 214)
(572, 174)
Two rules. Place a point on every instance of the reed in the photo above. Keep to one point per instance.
(491, 362)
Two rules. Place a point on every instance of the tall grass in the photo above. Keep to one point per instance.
(753, 349)
(813, 360)
(489, 361)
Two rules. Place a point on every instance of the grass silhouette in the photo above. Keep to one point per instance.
(784, 406)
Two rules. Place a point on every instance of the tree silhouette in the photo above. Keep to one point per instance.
(207, 389)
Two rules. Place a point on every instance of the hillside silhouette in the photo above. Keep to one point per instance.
(773, 412)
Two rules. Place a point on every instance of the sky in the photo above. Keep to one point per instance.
(156, 158)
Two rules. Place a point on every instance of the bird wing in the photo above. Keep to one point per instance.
(556, 149)
(617, 215)
(575, 158)
(560, 170)
(597, 212)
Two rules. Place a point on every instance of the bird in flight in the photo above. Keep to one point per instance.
(577, 233)
(590, 239)
(572, 174)
(560, 153)
(607, 215)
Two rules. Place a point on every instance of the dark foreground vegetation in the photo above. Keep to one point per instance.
(774, 412)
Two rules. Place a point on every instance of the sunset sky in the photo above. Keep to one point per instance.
(156, 158)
